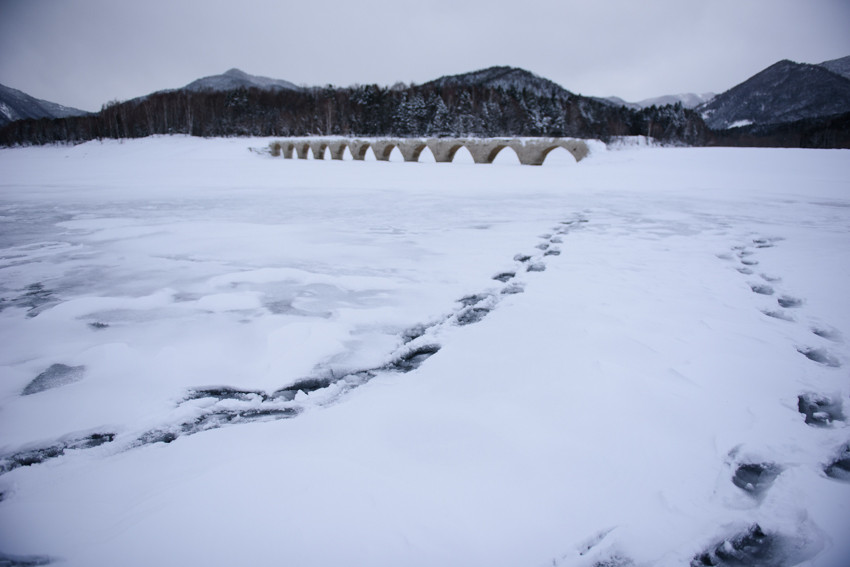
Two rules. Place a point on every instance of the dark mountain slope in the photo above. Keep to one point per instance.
(784, 92)
(505, 78)
(17, 105)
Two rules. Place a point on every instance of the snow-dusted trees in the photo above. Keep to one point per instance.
(366, 110)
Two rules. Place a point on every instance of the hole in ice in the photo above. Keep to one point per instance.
(536, 267)
(552, 252)
(839, 468)
(522, 257)
(471, 315)
(820, 356)
(788, 301)
(757, 547)
(29, 457)
(761, 289)
(413, 359)
(819, 410)
(756, 478)
(504, 276)
(776, 314)
(55, 376)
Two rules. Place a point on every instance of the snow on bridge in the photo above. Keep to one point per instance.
(530, 151)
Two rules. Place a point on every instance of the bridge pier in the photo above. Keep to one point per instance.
(411, 149)
(337, 149)
(383, 149)
(358, 149)
(318, 148)
(444, 149)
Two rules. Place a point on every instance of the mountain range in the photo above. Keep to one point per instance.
(785, 98)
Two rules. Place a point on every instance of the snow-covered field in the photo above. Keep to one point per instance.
(215, 357)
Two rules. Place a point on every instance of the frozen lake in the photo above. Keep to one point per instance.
(215, 357)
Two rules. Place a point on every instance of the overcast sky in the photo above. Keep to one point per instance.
(84, 53)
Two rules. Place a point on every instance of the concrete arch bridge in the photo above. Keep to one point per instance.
(530, 151)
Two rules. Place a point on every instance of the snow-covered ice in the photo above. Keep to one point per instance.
(215, 357)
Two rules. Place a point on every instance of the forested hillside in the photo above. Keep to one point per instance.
(426, 110)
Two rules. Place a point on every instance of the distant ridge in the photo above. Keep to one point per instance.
(234, 79)
(838, 66)
(17, 105)
(687, 100)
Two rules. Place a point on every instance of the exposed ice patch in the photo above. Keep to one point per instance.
(55, 376)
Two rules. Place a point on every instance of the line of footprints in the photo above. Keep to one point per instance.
(817, 409)
(218, 406)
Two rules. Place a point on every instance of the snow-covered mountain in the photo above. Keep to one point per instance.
(504, 77)
(784, 92)
(687, 100)
(839, 66)
(16, 105)
(234, 79)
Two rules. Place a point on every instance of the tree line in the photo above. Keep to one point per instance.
(364, 110)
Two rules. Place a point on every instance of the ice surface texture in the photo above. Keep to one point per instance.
(286, 346)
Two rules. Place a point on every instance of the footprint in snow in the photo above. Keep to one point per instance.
(789, 301)
(820, 356)
(757, 546)
(504, 276)
(761, 289)
(756, 478)
(820, 410)
(839, 467)
(828, 334)
(778, 314)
